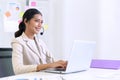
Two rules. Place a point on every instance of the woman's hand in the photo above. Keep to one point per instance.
(60, 63)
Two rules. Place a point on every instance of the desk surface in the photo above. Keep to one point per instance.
(91, 74)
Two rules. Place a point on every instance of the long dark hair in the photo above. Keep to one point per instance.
(27, 15)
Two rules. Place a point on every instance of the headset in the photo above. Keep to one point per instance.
(41, 33)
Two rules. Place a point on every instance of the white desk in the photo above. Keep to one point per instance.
(91, 74)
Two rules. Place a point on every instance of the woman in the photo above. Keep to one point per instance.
(30, 54)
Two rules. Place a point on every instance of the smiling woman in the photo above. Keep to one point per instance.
(34, 25)
(32, 21)
(30, 54)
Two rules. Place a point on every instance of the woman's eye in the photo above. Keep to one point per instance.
(39, 21)
(36, 20)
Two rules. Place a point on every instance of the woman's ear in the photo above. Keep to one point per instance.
(25, 20)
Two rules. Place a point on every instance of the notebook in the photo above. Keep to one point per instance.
(105, 64)
(79, 59)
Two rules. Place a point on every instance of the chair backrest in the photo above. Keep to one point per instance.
(6, 68)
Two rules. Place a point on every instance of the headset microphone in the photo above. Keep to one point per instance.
(41, 33)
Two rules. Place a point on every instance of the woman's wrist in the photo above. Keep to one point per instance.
(43, 66)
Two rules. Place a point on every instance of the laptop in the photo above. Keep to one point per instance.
(79, 59)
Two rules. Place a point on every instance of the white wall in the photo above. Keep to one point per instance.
(109, 29)
(6, 37)
(55, 29)
(71, 20)
(97, 20)
(80, 21)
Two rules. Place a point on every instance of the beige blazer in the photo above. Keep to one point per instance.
(25, 57)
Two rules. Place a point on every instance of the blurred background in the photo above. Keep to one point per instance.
(66, 21)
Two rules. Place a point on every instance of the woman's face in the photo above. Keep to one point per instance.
(34, 25)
